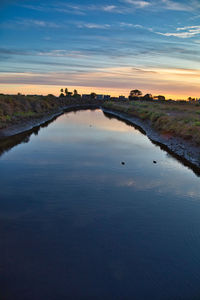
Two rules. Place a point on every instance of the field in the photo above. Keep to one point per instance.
(180, 119)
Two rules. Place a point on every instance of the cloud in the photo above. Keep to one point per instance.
(38, 23)
(93, 26)
(158, 80)
(109, 8)
(164, 4)
(61, 53)
(47, 53)
(137, 3)
(183, 32)
(34, 7)
(74, 9)
(126, 6)
(103, 8)
(84, 9)
(172, 5)
(26, 23)
(61, 8)
(130, 25)
(188, 28)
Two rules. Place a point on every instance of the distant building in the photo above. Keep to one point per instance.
(122, 98)
(85, 96)
(106, 97)
(100, 97)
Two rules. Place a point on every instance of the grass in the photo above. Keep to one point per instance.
(177, 119)
(15, 108)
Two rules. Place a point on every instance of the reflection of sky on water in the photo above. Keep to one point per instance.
(66, 200)
(97, 120)
(89, 141)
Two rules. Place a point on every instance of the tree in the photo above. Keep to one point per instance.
(135, 93)
(161, 98)
(61, 90)
(93, 96)
(148, 97)
(191, 99)
(76, 95)
(66, 92)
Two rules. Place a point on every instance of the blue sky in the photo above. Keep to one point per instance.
(103, 46)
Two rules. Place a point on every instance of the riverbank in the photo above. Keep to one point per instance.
(174, 127)
(21, 113)
(149, 115)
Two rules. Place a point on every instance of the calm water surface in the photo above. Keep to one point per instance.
(77, 224)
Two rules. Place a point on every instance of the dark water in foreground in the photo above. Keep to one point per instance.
(76, 224)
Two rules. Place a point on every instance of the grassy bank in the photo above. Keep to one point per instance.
(17, 108)
(171, 119)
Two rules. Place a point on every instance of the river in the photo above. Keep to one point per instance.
(76, 223)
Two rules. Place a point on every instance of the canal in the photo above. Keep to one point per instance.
(90, 208)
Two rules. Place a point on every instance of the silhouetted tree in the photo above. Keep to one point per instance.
(61, 90)
(161, 98)
(135, 94)
(76, 95)
(148, 97)
(66, 92)
(191, 99)
(93, 96)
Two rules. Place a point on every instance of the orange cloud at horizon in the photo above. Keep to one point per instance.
(175, 83)
(55, 90)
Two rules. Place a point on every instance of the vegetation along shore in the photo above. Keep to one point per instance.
(173, 124)
(21, 112)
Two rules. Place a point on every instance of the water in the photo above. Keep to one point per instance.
(77, 224)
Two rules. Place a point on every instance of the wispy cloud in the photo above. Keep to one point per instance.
(183, 32)
(61, 53)
(47, 53)
(172, 5)
(33, 7)
(26, 23)
(109, 8)
(93, 26)
(38, 23)
(138, 4)
(158, 80)
(122, 7)
(130, 25)
(61, 8)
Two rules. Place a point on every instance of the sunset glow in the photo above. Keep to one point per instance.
(104, 47)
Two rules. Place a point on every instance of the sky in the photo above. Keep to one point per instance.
(107, 47)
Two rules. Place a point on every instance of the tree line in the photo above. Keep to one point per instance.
(137, 95)
(66, 93)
